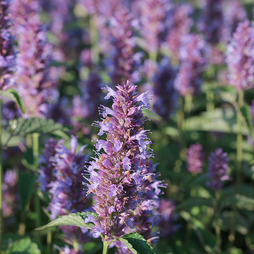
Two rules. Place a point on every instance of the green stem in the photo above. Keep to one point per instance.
(49, 241)
(210, 100)
(239, 156)
(187, 103)
(1, 178)
(35, 140)
(105, 247)
(217, 225)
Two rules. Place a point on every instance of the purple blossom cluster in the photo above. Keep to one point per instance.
(234, 13)
(180, 23)
(164, 94)
(195, 158)
(121, 177)
(34, 81)
(212, 21)
(10, 193)
(217, 169)
(152, 14)
(192, 62)
(167, 218)
(121, 60)
(7, 59)
(240, 57)
(60, 175)
(86, 105)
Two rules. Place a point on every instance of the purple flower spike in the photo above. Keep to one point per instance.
(60, 175)
(240, 57)
(10, 193)
(217, 169)
(121, 60)
(192, 59)
(179, 26)
(33, 76)
(195, 158)
(87, 105)
(122, 178)
(234, 13)
(165, 95)
(7, 61)
(212, 21)
(167, 218)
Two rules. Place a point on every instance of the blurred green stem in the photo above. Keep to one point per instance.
(210, 100)
(49, 241)
(1, 179)
(217, 223)
(105, 247)
(94, 40)
(239, 155)
(187, 103)
(35, 139)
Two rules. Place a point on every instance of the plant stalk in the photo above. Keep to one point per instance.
(105, 247)
(217, 225)
(239, 156)
(94, 40)
(35, 140)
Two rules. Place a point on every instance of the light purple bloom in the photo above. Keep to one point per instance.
(217, 169)
(192, 61)
(127, 178)
(240, 57)
(7, 62)
(195, 158)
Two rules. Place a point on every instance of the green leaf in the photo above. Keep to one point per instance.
(72, 219)
(245, 110)
(24, 246)
(14, 96)
(137, 244)
(23, 126)
(26, 185)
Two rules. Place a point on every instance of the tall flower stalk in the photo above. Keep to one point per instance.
(121, 177)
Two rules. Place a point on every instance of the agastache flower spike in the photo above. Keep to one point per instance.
(192, 61)
(6, 52)
(195, 158)
(120, 174)
(217, 169)
(240, 57)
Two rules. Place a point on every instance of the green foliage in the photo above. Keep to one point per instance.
(23, 126)
(14, 96)
(24, 246)
(26, 184)
(137, 244)
(245, 110)
(72, 219)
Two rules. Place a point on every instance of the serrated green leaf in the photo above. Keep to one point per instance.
(24, 246)
(245, 110)
(26, 185)
(23, 126)
(137, 244)
(14, 96)
(72, 219)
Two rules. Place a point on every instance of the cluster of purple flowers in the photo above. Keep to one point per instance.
(195, 158)
(164, 93)
(7, 59)
(212, 21)
(121, 60)
(179, 26)
(10, 193)
(192, 62)
(86, 106)
(34, 82)
(240, 57)
(121, 178)
(60, 175)
(217, 169)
